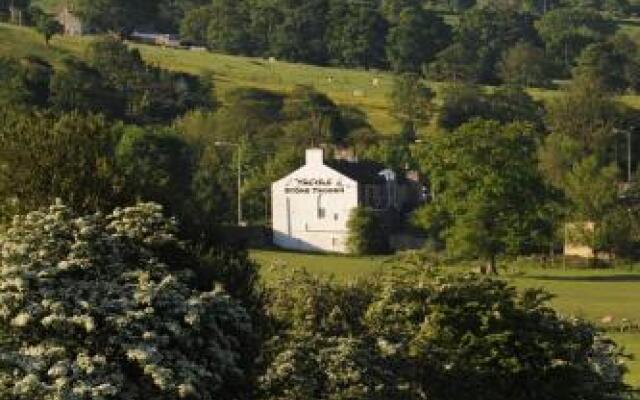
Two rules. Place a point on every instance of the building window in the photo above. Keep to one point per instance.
(336, 217)
(322, 212)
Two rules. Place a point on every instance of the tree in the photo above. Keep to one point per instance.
(526, 65)
(18, 10)
(356, 34)
(45, 157)
(367, 232)
(459, 334)
(156, 166)
(107, 315)
(411, 101)
(484, 34)
(194, 26)
(566, 31)
(77, 86)
(117, 16)
(299, 31)
(46, 25)
(391, 9)
(540, 7)
(615, 63)
(415, 39)
(456, 64)
(24, 82)
(407, 336)
(152, 94)
(487, 190)
(587, 113)
(314, 115)
(228, 27)
(322, 349)
(462, 103)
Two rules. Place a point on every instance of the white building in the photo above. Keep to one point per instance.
(311, 206)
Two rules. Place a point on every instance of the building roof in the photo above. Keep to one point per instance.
(360, 171)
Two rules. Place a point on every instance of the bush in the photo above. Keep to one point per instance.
(90, 310)
(368, 233)
(412, 336)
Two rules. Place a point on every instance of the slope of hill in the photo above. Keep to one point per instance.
(348, 87)
(49, 5)
(345, 86)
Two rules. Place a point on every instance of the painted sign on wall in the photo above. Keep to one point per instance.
(314, 186)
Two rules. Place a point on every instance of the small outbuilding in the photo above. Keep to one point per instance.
(312, 205)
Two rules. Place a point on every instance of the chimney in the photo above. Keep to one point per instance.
(314, 156)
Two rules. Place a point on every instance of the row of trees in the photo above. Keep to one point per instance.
(488, 44)
(512, 42)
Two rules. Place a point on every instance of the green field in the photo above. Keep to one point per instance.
(345, 86)
(588, 293)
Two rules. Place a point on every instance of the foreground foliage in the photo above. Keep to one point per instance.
(92, 309)
(413, 336)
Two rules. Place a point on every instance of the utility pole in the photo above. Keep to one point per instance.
(628, 156)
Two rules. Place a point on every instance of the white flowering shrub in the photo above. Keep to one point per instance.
(89, 311)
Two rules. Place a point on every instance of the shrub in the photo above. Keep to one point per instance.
(367, 232)
(91, 311)
(412, 336)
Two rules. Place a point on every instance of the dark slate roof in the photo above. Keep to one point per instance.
(359, 171)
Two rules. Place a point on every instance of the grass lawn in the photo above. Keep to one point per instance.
(587, 293)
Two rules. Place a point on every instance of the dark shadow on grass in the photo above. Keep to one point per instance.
(599, 278)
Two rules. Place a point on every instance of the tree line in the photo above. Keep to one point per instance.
(528, 42)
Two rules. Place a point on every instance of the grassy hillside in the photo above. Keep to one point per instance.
(347, 87)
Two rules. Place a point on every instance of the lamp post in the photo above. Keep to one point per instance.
(237, 146)
(628, 132)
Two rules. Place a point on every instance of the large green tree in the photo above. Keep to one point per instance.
(566, 31)
(525, 65)
(228, 28)
(77, 86)
(356, 34)
(415, 39)
(45, 157)
(156, 166)
(299, 31)
(489, 198)
(615, 63)
(462, 102)
(483, 35)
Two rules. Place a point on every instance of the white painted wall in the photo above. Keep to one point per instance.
(296, 199)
